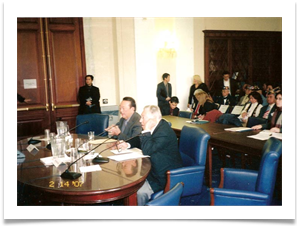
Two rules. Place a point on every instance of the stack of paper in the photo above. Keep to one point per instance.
(265, 135)
(133, 155)
(238, 129)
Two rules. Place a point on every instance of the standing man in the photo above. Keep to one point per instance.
(230, 83)
(129, 125)
(164, 91)
(158, 141)
(89, 97)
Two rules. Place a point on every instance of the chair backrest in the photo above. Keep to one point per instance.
(193, 146)
(272, 151)
(97, 123)
(170, 198)
(185, 114)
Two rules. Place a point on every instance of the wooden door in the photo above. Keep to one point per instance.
(51, 68)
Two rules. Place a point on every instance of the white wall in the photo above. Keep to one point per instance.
(145, 62)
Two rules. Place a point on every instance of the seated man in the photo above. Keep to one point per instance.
(129, 125)
(225, 98)
(158, 141)
(245, 99)
(172, 108)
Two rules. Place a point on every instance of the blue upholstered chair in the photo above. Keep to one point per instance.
(193, 150)
(185, 114)
(240, 187)
(97, 123)
(170, 198)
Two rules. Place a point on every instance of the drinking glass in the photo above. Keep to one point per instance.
(61, 127)
(47, 134)
(58, 147)
(91, 135)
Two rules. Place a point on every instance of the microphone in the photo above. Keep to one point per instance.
(86, 122)
(34, 141)
(73, 175)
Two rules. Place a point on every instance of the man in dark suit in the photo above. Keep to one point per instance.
(158, 141)
(129, 125)
(225, 98)
(164, 92)
(227, 81)
(89, 97)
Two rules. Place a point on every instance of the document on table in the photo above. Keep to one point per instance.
(238, 129)
(119, 152)
(265, 135)
(48, 161)
(100, 141)
(133, 155)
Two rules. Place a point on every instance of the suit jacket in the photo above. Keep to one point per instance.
(252, 121)
(230, 100)
(162, 147)
(162, 95)
(132, 129)
(264, 109)
(233, 87)
(86, 92)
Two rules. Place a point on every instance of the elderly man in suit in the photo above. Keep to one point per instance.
(129, 125)
(158, 141)
(225, 98)
(164, 92)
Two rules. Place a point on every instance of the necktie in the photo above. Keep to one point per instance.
(166, 86)
(124, 126)
(265, 116)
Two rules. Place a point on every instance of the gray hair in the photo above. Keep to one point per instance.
(154, 110)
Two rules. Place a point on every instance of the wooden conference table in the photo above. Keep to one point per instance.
(116, 180)
(233, 141)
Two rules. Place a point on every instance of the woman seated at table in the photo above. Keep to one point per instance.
(205, 104)
(251, 109)
(275, 125)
